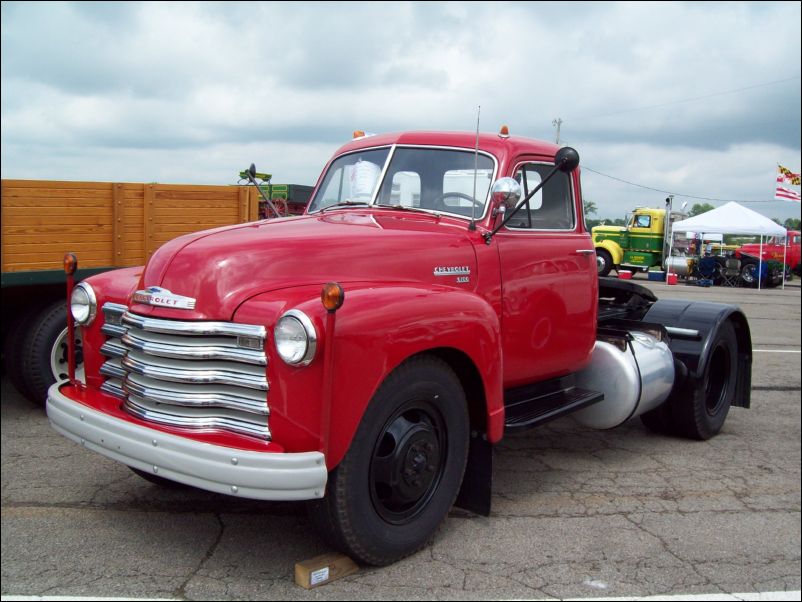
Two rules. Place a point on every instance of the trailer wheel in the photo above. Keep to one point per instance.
(604, 262)
(701, 412)
(404, 468)
(44, 351)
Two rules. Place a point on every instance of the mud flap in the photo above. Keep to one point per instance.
(477, 484)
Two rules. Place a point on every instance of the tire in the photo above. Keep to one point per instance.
(718, 276)
(749, 273)
(659, 421)
(604, 262)
(157, 480)
(44, 351)
(700, 412)
(12, 352)
(404, 468)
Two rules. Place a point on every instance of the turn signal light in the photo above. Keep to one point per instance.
(70, 263)
(332, 296)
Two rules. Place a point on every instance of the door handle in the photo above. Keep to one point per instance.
(585, 251)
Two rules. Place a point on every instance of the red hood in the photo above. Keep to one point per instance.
(222, 268)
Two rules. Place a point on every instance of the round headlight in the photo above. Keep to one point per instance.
(295, 337)
(83, 304)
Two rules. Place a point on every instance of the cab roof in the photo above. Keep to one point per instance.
(492, 143)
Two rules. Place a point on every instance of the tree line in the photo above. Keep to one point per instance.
(698, 208)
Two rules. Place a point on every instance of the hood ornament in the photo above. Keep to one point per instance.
(161, 297)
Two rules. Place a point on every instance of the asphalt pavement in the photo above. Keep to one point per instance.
(576, 512)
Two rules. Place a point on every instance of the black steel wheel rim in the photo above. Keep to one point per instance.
(408, 461)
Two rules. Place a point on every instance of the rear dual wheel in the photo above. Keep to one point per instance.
(699, 407)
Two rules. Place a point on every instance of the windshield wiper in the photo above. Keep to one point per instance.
(405, 208)
(344, 204)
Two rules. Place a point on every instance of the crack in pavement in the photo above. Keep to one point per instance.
(180, 591)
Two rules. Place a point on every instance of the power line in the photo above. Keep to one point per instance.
(691, 99)
(678, 194)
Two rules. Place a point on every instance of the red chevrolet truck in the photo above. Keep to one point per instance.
(774, 249)
(439, 293)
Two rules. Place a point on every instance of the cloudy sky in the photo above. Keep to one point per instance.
(696, 99)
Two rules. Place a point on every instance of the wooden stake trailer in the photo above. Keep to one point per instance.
(107, 225)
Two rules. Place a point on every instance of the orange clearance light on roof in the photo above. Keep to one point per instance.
(70, 263)
(359, 133)
(332, 296)
(504, 132)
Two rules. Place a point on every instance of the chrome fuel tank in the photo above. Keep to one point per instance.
(636, 375)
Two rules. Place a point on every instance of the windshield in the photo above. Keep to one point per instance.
(350, 179)
(433, 179)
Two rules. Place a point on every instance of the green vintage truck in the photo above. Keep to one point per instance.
(640, 245)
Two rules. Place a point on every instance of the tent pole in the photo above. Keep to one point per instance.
(668, 259)
(785, 255)
(760, 263)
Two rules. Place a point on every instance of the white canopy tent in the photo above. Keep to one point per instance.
(732, 218)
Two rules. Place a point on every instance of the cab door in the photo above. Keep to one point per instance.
(548, 279)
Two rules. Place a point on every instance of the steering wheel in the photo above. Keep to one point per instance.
(439, 205)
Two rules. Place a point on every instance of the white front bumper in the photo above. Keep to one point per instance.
(249, 474)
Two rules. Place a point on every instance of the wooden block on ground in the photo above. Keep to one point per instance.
(323, 569)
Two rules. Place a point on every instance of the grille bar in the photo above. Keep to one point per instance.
(112, 348)
(114, 386)
(189, 351)
(199, 421)
(193, 396)
(197, 375)
(200, 375)
(113, 368)
(194, 328)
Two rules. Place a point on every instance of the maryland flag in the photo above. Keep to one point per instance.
(786, 176)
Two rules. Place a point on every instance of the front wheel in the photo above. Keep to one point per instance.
(604, 262)
(404, 468)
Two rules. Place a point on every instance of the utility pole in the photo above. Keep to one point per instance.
(557, 123)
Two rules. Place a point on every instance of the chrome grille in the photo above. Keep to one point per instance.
(196, 375)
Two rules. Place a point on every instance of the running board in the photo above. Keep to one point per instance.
(529, 407)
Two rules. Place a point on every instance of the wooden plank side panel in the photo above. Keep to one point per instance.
(109, 223)
(253, 203)
(242, 197)
(118, 215)
(133, 226)
(186, 209)
(55, 184)
(42, 220)
(51, 202)
(147, 221)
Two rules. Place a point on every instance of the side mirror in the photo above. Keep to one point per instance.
(506, 192)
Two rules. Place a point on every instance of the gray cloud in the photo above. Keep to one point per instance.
(106, 89)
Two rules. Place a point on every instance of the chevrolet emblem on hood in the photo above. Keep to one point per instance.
(155, 295)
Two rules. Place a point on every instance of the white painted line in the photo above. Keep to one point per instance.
(776, 351)
(84, 599)
(750, 597)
